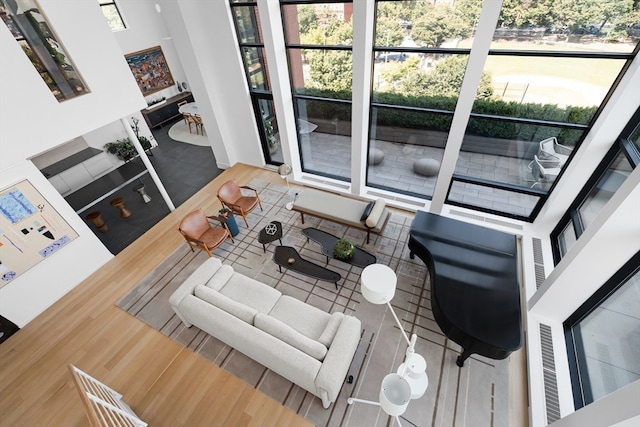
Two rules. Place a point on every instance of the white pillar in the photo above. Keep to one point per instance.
(147, 163)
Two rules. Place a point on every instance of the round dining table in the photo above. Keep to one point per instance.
(190, 108)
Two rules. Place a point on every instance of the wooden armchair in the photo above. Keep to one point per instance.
(230, 195)
(199, 233)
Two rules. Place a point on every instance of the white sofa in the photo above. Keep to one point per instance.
(302, 343)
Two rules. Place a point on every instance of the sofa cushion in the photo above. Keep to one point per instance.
(376, 213)
(326, 338)
(292, 311)
(286, 333)
(225, 303)
(221, 276)
(257, 295)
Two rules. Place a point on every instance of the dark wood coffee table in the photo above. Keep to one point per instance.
(270, 233)
(360, 258)
(284, 254)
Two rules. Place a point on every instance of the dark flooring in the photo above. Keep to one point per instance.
(183, 169)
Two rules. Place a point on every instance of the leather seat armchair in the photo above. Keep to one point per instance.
(199, 233)
(230, 195)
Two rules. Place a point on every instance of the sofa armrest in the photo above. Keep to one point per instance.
(199, 277)
(338, 359)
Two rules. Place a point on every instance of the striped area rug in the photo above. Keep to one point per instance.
(475, 395)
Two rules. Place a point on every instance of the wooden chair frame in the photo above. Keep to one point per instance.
(238, 209)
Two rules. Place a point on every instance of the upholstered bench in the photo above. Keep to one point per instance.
(371, 217)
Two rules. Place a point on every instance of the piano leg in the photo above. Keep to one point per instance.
(412, 255)
(463, 356)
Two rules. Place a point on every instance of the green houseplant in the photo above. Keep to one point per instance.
(124, 148)
(343, 249)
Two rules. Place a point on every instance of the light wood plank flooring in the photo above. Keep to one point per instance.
(164, 383)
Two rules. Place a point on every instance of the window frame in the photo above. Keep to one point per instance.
(621, 145)
(582, 395)
(113, 3)
(296, 97)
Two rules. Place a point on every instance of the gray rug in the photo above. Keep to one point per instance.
(476, 395)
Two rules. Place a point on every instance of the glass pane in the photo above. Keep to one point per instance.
(43, 48)
(594, 26)
(271, 130)
(113, 17)
(321, 72)
(608, 342)
(503, 152)
(635, 138)
(326, 24)
(547, 88)
(324, 132)
(566, 239)
(424, 24)
(607, 185)
(500, 201)
(254, 60)
(420, 80)
(247, 24)
(399, 139)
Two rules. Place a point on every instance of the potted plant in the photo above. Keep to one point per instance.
(343, 249)
(225, 212)
(124, 148)
(227, 217)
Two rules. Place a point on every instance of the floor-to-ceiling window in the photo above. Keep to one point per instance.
(318, 37)
(550, 68)
(247, 21)
(417, 74)
(620, 161)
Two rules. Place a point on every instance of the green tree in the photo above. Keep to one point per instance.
(444, 80)
(438, 25)
(330, 69)
(307, 18)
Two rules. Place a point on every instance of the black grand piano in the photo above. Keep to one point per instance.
(475, 293)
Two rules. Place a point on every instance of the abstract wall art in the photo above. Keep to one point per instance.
(30, 230)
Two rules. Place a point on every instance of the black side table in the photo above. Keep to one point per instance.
(270, 233)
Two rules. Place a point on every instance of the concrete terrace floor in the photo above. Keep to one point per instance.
(331, 154)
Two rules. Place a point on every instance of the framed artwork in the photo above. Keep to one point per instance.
(150, 69)
(30, 230)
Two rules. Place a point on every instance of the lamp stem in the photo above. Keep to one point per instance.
(412, 343)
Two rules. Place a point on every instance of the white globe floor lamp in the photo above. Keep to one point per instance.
(378, 286)
(285, 170)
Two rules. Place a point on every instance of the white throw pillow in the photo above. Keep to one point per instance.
(225, 303)
(289, 335)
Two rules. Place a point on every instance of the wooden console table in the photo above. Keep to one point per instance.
(159, 114)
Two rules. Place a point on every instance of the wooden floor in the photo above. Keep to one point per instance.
(166, 384)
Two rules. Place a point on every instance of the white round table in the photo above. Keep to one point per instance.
(190, 108)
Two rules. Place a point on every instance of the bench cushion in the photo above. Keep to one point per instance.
(337, 208)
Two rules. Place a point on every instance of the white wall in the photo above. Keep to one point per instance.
(204, 37)
(33, 121)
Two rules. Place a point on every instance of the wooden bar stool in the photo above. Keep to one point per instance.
(96, 219)
(118, 202)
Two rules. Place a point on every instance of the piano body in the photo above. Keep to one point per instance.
(475, 292)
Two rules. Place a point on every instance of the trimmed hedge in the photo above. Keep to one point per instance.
(441, 121)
